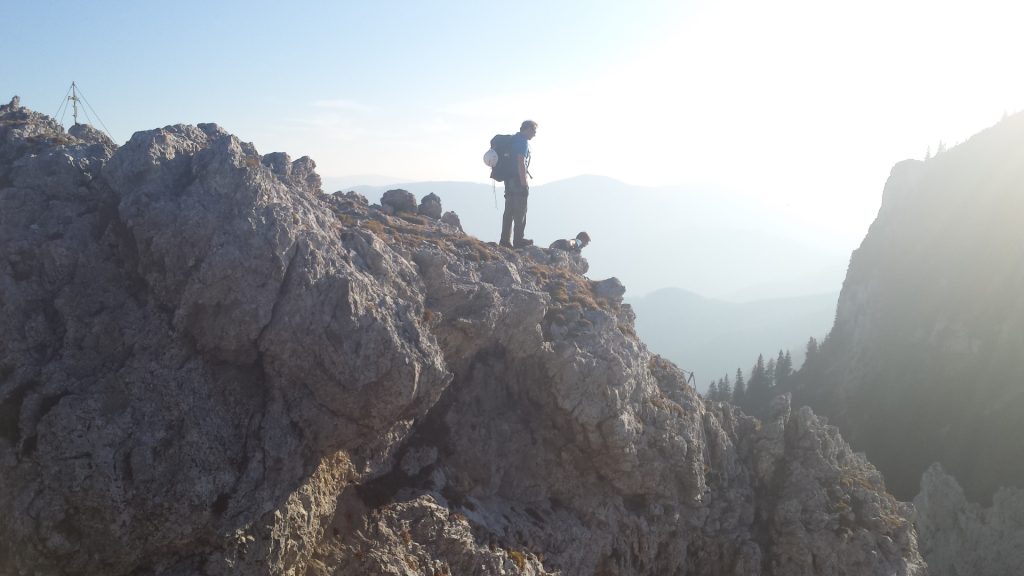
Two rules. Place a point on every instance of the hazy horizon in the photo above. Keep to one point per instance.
(751, 142)
(754, 254)
(800, 106)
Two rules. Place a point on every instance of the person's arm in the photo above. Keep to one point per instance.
(521, 160)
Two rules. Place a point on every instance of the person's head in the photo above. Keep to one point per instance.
(584, 238)
(528, 129)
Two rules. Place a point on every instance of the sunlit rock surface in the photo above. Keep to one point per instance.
(210, 366)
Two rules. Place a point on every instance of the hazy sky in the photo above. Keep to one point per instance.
(805, 105)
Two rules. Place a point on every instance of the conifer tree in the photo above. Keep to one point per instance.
(739, 391)
(812, 349)
(757, 384)
(712, 393)
(725, 389)
(758, 375)
(783, 368)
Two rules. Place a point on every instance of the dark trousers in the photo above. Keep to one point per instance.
(515, 212)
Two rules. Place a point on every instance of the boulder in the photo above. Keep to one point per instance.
(399, 200)
(430, 206)
(87, 133)
(610, 289)
(452, 219)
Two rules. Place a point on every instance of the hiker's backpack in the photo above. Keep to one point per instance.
(502, 161)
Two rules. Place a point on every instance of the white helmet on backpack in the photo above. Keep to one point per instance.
(491, 158)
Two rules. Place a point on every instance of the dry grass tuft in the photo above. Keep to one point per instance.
(518, 558)
(476, 250)
(412, 218)
(376, 227)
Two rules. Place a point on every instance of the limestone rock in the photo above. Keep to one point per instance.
(430, 206)
(399, 200)
(959, 538)
(610, 289)
(210, 366)
(824, 505)
(188, 356)
(452, 219)
(356, 197)
(421, 536)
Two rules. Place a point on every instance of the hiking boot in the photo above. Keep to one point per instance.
(505, 244)
(523, 243)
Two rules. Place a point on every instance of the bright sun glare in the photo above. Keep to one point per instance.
(804, 103)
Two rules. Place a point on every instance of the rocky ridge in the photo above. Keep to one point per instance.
(210, 366)
(960, 538)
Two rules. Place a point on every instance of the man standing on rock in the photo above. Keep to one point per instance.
(517, 189)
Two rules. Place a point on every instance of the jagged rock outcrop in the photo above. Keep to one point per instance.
(169, 366)
(87, 133)
(963, 539)
(452, 219)
(399, 200)
(210, 366)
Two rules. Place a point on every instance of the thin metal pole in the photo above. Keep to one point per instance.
(74, 102)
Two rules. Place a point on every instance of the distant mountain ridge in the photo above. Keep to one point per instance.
(346, 182)
(652, 238)
(713, 337)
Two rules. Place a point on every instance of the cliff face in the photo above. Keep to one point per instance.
(922, 364)
(209, 366)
